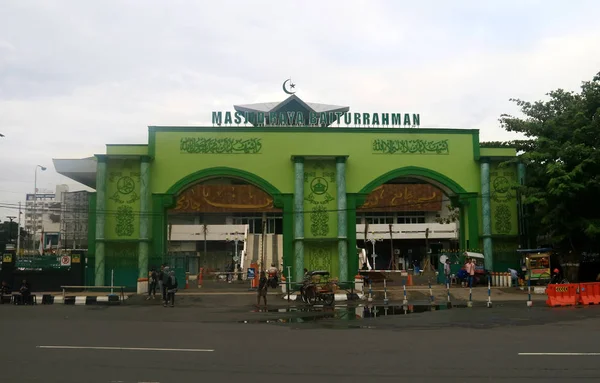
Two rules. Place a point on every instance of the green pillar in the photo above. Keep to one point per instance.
(144, 217)
(486, 214)
(286, 202)
(469, 213)
(340, 179)
(462, 227)
(100, 219)
(351, 243)
(523, 232)
(298, 218)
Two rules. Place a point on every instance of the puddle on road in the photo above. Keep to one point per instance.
(335, 314)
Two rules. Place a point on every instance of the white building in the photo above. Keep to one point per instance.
(43, 218)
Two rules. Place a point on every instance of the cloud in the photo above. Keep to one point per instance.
(77, 75)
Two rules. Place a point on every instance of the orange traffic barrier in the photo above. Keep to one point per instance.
(409, 281)
(562, 294)
(200, 276)
(254, 281)
(589, 293)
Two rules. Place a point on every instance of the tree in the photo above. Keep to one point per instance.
(9, 231)
(562, 157)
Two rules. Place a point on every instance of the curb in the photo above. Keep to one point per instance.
(79, 300)
(83, 300)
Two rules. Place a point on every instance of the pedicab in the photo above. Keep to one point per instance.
(314, 290)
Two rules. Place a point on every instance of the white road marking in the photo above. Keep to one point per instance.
(559, 354)
(125, 348)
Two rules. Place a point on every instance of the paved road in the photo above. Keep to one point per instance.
(458, 345)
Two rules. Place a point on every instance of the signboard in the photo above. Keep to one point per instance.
(298, 118)
(38, 196)
(76, 258)
(65, 260)
(7, 258)
(251, 273)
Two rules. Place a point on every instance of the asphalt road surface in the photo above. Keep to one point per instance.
(208, 340)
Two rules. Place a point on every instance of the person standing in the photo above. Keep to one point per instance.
(447, 271)
(165, 281)
(152, 282)
(263, 283)
(273, 276)
(171, 287)
(470, 268)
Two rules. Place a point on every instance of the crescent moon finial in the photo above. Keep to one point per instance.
(292, 85)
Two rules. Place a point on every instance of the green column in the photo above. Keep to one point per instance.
(462, 227)
(523, 232)
(144, 217)
(298, 218)
(351, 243)
(340, 179)
(521, 173)
(486, 214)
(100, 219)
(469, 213)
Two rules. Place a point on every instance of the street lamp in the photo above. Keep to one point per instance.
(237, 237)
(35, 205)
(374, 240)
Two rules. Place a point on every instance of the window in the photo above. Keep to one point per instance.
(410, 217)
(380, 219)
(274, 222)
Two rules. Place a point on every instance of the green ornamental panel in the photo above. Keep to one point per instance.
(505, 254)
(320, 200)
(503, 199)
(320, 216)
(322, 256)
(121, 264)
(123, 199)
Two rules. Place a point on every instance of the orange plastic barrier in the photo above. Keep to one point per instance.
(589, 293)
(254, 281)
(562, 295)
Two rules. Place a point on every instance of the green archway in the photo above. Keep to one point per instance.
(163, 202)
(467, 201)
(209, 173)
(446, 184)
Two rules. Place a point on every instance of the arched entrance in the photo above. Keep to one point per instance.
(410, 213)
(218, 215)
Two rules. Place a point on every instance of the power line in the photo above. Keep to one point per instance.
(112, 212)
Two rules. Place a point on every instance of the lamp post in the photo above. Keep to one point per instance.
(373, 240)
(235, 240)
(35, 206)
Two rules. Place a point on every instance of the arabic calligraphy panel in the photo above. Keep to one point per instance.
(224, 198)
(404, 197)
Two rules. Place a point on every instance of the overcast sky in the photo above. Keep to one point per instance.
(75, 75)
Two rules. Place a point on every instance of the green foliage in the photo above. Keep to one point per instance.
(563, 164)
(453, 215)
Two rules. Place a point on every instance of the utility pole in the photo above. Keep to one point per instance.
(35, 206)
(10, 228)
(19, 231)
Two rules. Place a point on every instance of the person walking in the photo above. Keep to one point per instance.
(152, 282)
(171, 286)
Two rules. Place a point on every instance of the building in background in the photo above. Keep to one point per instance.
(74, 220)
(42, 219)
